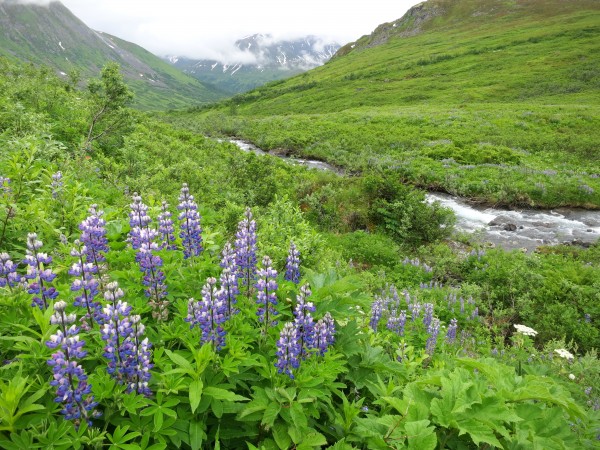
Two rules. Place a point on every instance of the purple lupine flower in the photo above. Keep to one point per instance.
(136, 358)
(292, 265)
(415, 310)
(57, 184)
(377, 308)
(8, 272)
(288, 350)
(407, 298)
(93, 236)
(475, 313)
(324, 335)
(191, 231)
(72, 388)
(266, 296)
(228, 257)
(116, 329)
(138, 220)
(229, 290)
(128, 356)
(154, 278)
(451, 334)
(462, 305)
(433, 331)
(303, 321)
(209, 314)
(228, 278)
(245, 251)
(396, 322)
(88, 286)
(41, 277)
(428, 315)
(166, 228)
(5, 186)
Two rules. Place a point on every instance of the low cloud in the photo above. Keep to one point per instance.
(27, 2)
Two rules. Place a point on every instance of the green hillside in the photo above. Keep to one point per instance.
(497, 101)
(51, 35)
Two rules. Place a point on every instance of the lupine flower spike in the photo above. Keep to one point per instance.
(93, 237)
(166, 228)
(229, 285)
(433, 331)
(245, 251)
(303, 321)
(266, 296)
(72, 388)
(41, 276)
(292, 265)
(154, 278)
(88, 286)
(8, 272)
(324, 334)
(451, 334)
(56, 185)
(128, 355)
(209, 314)
(138, 220)
(288, 350)
(191, 232)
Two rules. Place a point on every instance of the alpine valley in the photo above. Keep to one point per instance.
(278, 269)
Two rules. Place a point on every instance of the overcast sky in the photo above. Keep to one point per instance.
(208, 28)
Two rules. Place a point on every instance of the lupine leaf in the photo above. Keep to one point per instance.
(195, 393)
(271, 413)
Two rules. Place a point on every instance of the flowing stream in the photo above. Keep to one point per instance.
(509, 229)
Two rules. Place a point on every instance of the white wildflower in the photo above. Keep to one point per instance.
(525, 330)
(564, 353)
(571, 376)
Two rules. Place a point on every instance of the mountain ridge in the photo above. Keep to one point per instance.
(261, 58)
(51, 35)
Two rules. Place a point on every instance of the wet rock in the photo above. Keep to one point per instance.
(509, 227)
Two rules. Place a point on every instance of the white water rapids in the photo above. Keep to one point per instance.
(509, 229)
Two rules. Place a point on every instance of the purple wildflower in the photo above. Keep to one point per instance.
(5, 186)
(209, 314)
(292, 265)
(191, 232)
(166, 228)
(396, 321)
(433, 331)
(88, 286)
(41, 277)
(8, 272)
(57, 184)
(138, 220)
(245, 250)
(288, 350)
(428, 315)
(324, 335)
(266, 296)
(415, 310)
(228, 279)
(377, 308)
(154, 278)
(128, 356)
(228, 257)
(451, 334)
(93, 236)
(73, 390)
(303, 321)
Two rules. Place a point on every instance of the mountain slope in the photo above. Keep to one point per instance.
(495, 101)
(53, 36)
(533, 49)
(261, 59)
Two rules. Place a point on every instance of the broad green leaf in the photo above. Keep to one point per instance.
(478, 432)
(197, 435)
(298, 416)
(222, 394)
(195, 393)
(180, 361)
(281, 436)
(271, 414)
(420, 435)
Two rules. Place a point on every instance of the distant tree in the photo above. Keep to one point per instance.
(109, 97)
